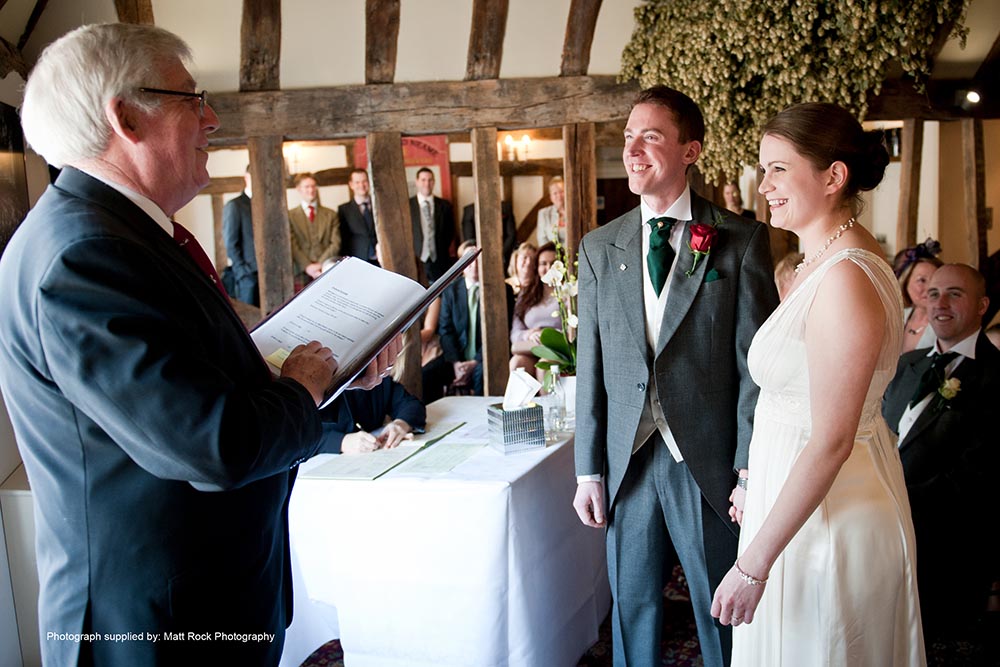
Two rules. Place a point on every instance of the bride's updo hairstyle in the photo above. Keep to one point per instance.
(826, 133)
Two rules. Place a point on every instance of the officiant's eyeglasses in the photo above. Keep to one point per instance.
(202, 96)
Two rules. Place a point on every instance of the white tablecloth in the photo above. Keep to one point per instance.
(485, 565)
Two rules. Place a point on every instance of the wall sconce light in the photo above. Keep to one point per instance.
(517, 151)
(292, 153)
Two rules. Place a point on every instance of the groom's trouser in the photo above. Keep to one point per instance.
(659, 503)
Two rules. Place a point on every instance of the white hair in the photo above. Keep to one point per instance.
(75, 77)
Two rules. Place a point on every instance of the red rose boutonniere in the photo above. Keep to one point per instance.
(702, 238)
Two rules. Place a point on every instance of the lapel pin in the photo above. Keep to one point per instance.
(622, 267)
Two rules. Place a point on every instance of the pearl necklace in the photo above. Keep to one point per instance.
(819, 253)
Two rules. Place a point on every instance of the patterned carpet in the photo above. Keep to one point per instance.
(679, 645)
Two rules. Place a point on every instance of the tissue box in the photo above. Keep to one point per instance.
(516, 430)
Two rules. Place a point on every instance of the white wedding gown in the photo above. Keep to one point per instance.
(844, 590)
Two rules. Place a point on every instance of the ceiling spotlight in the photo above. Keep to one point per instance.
(972, 97)
(967, 99)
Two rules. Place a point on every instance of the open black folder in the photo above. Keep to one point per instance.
(355, 309)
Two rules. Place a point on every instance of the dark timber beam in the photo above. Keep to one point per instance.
(489, 22)
(421, 108)
(395, 232)
(381, 39)
(135, 11)
(221, 258)
(260, 47)
(909, 183)
(579, 37)
(271, 238)
(581, 184)
(11, 60)
(974, 180)
(36, 13)
(898, 99)
(493, 311)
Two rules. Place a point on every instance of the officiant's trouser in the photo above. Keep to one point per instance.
(659, 503)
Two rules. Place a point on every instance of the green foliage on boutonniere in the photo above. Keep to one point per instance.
(702, 240)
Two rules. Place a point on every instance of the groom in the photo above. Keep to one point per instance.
(664, 398)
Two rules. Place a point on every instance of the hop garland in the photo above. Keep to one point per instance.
(742, 61)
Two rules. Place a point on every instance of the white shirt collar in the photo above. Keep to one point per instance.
(142, 201)
(364, 200)
(422, 199)
(966, 347)
(306, 205)
(680, 209)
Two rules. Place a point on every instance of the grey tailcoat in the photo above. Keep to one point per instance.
(700, 361)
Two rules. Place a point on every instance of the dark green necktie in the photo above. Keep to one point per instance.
(933, 377)
(661, 255)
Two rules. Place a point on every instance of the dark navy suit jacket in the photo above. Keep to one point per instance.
(357, 235)
(160, 452)
(369, 409)
(444, 235)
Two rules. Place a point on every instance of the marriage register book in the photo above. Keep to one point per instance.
(355, 309)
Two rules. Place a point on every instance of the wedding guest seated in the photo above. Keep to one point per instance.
(521, 268)
(734, 201)
(535, 309)
(913, 268)
(942, 402)
(348, 424)
(784, 273)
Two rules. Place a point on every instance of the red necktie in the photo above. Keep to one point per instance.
(312, 213)
(190, 244)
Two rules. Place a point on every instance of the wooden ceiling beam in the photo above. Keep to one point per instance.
(260, 47)
(489, 24)
(11, 60)
(579, 37)
(898, 99)
(135, 11)
(381, 40)
(36, 13)
(421, 108)
(988, 73)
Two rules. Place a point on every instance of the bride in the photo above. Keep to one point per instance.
(826, 572)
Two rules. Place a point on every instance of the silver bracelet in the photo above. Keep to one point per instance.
(750, 580)
(741, 482)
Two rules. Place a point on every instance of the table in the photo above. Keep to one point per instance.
(485, 565)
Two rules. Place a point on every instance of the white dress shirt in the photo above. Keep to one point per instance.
(656, 305)
(145, 203)
(965, 348)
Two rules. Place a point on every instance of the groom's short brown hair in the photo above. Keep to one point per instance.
(687, 115)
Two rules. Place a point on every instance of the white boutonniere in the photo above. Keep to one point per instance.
(949, 388)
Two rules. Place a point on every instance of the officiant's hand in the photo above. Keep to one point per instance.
(381, 367)
(589, 503)
(360, 442)
(312, 366)
(394, 433)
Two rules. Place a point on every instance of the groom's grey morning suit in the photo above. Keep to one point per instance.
(697, 373)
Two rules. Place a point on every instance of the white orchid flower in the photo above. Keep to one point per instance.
(573, 321)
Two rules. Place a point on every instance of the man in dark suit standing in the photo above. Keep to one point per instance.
(237, 233)
(433, 226)
(160, 451)
(357, 220)
(664, 398)
(508, 225)
(942, 403)
(459, 328)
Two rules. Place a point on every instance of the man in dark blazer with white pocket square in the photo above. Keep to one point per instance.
(664, 398)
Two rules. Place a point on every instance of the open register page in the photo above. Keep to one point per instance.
(355, 309)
